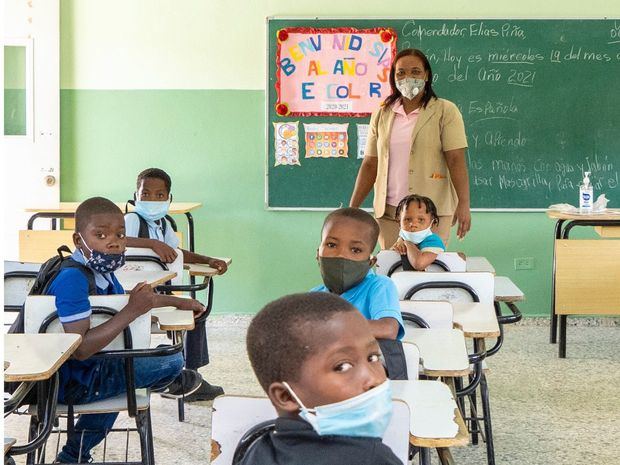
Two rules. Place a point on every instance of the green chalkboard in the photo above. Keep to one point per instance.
(540, 100)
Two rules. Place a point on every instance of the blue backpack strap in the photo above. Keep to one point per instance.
(86, 271)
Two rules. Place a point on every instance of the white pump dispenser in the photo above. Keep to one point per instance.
(586, 194)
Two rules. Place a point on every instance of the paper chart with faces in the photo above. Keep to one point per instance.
(286, 141)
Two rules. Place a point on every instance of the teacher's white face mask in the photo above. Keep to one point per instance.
(410, 87)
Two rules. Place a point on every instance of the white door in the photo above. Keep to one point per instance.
(31, 109)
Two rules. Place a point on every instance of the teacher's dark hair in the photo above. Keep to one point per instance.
(428, 87)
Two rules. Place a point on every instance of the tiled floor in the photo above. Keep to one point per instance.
(545, 410)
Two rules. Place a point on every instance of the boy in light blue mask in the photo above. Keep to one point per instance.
(152, 202)
(148, 227)
(324, 376)
(417, 244)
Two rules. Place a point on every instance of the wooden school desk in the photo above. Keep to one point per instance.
(585, 272)
(435, 419)
(507, 291)
(443, 352)
(34, 359)
(476, 320)
(478, 264)
(67, 210)
(154, 278)
(198, 269)
(173, 319)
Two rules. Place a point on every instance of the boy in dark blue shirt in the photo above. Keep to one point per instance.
(100, 243)
(316, 358)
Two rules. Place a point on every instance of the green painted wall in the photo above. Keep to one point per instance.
(14, 90)
(212, 143)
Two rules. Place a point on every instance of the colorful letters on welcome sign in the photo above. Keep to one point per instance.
(332, 71)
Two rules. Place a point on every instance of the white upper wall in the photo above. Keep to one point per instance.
(220, 44)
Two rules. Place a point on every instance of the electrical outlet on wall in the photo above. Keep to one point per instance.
(524, 263)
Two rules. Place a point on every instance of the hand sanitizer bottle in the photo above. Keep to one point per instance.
(586, 194)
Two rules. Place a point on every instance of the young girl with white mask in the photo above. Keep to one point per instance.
(417, 241)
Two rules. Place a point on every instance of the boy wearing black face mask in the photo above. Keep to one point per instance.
(100, 242)
(348, 238)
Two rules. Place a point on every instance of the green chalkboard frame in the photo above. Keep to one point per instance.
(583, 141)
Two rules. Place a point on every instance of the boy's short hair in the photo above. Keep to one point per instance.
(426, 201)
(279, 341)
(154, 173)
(359, 215)
(93, 206)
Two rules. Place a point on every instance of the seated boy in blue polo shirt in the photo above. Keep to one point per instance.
(100, 242)
(152, 199)
(348, 238)
(323, 374)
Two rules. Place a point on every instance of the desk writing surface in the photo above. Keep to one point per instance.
(8, 443)
(71, 207)
(479, 264)
(173, 319)
(442, 351)
(612, 214)
(507, 291)
(477, 320)
(433, 413)
(129, 279)
(36, 357)
(200, 269)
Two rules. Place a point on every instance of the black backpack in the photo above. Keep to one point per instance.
(143, 232)
(394, 356)
(46, 275)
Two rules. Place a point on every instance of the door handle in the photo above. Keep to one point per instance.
(50, 180)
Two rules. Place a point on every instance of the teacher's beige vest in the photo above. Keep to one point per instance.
(439, 128)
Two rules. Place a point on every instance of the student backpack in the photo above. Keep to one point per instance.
(46, 275)
(394, 356)
(143, 231)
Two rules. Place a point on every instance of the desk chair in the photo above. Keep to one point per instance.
(508, 293)
(18, 280)
(238, 421)
(390, 262)
(146, 259)
(41, 317)
(459, 287)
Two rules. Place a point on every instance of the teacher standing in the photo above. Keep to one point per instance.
(416, 145)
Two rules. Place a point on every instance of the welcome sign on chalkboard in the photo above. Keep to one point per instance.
(332, 71)
(540, 100)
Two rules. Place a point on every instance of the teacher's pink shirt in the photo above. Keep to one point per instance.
(400, 152)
